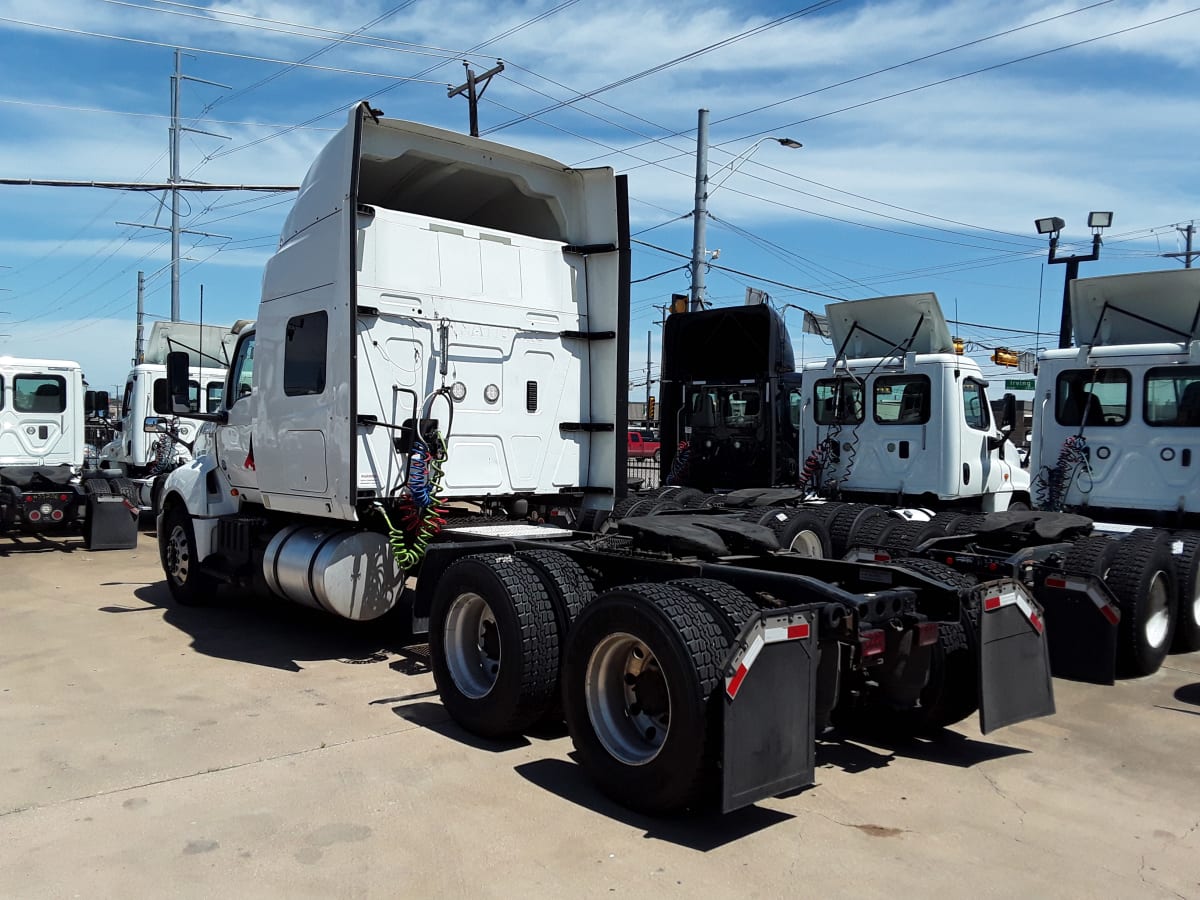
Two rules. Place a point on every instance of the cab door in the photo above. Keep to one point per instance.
(235, 438)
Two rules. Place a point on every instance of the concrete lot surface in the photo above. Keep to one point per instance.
(254, 750)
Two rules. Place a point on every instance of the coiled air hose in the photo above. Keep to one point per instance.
(163, 461)
(422, 513)
(1053, 484)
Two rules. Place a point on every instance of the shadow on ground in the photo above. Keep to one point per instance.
(16, 542)
(265, 632)
(861, 749)
(701, 832)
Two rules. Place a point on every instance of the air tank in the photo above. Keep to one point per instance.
(349, 573)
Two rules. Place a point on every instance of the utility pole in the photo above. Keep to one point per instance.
(1188, 253)
(176, 128)
(474, 87)
(646, 413)
(139, 350)
(700, 212)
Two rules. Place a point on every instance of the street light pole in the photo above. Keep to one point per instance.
(1053, 226)
(700, 210)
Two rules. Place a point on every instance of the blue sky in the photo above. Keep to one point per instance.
(934, 133)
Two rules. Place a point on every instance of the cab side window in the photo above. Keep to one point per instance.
(304, 354)
(975, 406)
(241, 375)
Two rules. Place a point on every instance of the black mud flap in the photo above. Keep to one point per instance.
(769, 704)
(1014, 657)
(1081, 619)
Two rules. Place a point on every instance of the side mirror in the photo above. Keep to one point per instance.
(101, 405)
(178, 388)
(156, 425)
(1008, 413)
(89, 402)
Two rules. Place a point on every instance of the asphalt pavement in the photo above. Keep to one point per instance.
(253, 749)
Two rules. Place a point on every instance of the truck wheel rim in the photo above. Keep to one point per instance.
(472, 645)
(179, 555)
(628, 699)
(1158, 611)
(807, 544)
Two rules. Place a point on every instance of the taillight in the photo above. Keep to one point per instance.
(872, 642)
(927, 633)
(35, 516)
(62, 497)
(57, 515)
(949, 560)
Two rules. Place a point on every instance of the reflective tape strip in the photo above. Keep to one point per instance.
(795, 632)
(734, 682)
(1014, 598)
(1085, 586)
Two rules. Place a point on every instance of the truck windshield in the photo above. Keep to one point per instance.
(162, 401)
(732, 406)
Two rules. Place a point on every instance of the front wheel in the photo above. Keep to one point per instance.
(188, 583)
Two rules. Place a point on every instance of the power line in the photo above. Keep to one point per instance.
(654, 70)
(227, 53)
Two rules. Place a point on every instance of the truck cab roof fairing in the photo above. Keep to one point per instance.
(886, 326)
(1141, 308)
(409, 167)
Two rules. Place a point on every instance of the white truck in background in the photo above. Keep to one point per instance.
(1117, 438)
(894, 417)
(44, 484)
(145, 457)
(445, 323)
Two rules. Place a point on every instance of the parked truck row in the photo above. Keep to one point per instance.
(426, 420)
(898, 422)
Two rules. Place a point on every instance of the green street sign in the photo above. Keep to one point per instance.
(1018, 384)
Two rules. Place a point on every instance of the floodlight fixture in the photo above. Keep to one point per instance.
(1098, 220)
(1049, 225)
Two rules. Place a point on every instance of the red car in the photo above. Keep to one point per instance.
(644, 445)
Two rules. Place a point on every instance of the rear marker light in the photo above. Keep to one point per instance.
(882, 557)
(873, 642)
(927, 633)
(949, 560)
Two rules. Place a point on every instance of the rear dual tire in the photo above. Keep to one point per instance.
(640, 696)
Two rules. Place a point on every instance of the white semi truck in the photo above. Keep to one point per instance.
(445, 323)
(43, 482)
(145, 457)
